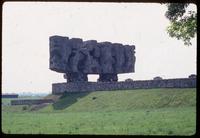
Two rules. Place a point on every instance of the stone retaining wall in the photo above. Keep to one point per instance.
(58, 88)
(31, 101)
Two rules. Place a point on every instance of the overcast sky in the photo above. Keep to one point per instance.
(28, 25)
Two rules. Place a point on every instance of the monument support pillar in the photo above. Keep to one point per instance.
(108, 77)
(76, 77)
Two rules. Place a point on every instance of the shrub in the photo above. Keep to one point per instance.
(129, 80)
(24, 108)
(157, 78)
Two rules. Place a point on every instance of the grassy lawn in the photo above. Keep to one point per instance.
(131, 112)
(165, 121)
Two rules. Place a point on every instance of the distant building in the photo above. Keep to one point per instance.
(7, 95)
(31, 101)
(157, 78)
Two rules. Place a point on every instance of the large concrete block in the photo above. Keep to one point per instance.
(77, 58)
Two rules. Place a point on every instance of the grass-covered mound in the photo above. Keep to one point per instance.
(130, 112)
(124, 100)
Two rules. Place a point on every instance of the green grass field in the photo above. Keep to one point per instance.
(128, 112)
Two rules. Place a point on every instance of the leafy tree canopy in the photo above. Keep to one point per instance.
(183, 24)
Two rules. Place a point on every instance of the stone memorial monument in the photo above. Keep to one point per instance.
(77, 58)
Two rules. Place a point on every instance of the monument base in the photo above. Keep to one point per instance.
(59, 88)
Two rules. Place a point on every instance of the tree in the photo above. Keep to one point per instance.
(183, 24)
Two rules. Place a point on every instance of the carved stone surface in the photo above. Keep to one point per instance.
(77, 58)
(76, 77)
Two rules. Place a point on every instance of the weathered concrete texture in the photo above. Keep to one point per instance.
(31, 101)
(59, 88)
(77, 58)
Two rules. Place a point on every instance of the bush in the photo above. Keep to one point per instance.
(129, 80)
(24, 108)
(157, 78)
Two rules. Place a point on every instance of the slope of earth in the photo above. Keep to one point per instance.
(124, 112)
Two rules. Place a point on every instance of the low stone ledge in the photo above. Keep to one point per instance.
(59, 88)
(31, 101)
